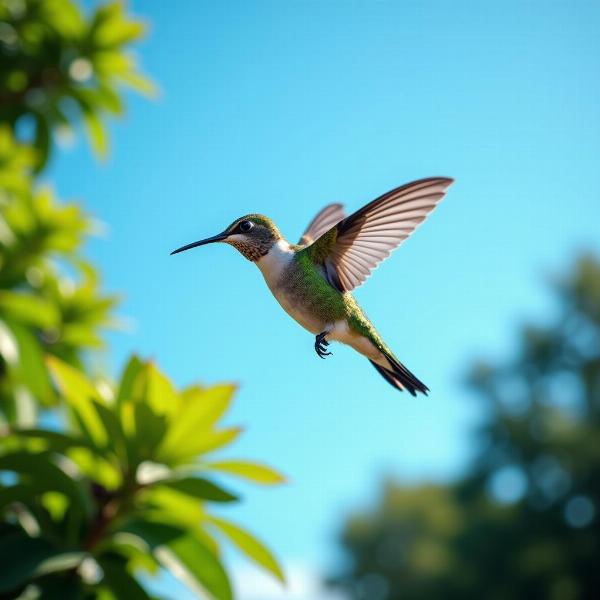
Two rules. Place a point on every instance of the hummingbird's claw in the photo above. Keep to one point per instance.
(321, 345)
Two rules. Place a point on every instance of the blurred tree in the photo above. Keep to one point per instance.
(523, 522)
(58, 67)
(50, 301)
(119, 482)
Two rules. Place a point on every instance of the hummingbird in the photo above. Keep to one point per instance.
(313, 279)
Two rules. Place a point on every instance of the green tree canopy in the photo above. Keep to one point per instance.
(523, 522)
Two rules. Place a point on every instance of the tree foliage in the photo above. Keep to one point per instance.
(101, 483)
(125, 487)
(50, 299)
(60, 67)
(523, 522)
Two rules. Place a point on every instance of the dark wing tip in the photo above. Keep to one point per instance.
(447, 180)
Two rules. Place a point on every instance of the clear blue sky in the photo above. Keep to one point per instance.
(282, 107)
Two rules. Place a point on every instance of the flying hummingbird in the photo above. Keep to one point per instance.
(313, 280)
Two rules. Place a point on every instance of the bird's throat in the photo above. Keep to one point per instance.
(275, 261)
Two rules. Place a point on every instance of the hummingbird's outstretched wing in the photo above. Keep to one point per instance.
(350, 250)
(325, 219)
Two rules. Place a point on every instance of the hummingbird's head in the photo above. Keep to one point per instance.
(252, 235)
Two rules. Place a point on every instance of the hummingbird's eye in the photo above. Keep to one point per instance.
(246, 226)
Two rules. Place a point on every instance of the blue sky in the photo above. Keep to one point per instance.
(282, 107)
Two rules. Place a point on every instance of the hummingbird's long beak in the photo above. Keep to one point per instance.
(215, 238)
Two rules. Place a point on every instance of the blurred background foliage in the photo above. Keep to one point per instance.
(50, 301)
(100, 482)
(523, 521)
(61, 67)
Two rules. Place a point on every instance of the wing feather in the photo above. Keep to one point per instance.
(325, 219)
(351, 248)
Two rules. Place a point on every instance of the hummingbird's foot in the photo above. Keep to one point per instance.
(321, 345)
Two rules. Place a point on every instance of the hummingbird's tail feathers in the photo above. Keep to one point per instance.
(388, 376)
(400, 377)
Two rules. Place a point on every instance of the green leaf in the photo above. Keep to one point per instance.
(30, 309)
(119, 580)
(201, 442)
(111, 28)
(24, 558)
(79, 394)
(161, 395)
(133, 548)
(110, 99)
(139, 83)
(153, 533)
(250, 546)
(149, 431)
(46, 476)
(112, 425)
(54, 440)
(258, 473)
(200, 410)
(30, 368)
(193, 563)
(200, 488)
(96, 133)
(186, 555)
(169, 506)
(126, 387)
(206, 406)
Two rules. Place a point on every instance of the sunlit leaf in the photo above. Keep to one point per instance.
(250, 546)
(202, 489)
(160, 392)
(110, 99)
(28, 308)
(170, 506)
(205, 406)
(201, 442)
(101, 469)
(79, 393)
(130, 374)
(97, 133)
(255, 472)
(140, 84)
(200, 410)
(30, 368)
(134, 548)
